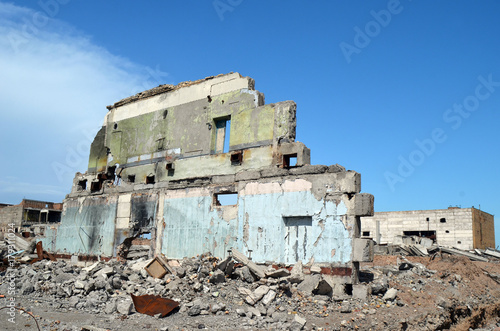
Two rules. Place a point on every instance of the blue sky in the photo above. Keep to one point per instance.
(407, 93)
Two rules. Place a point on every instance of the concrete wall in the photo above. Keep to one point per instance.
(483, 228)
(11, 215)
(183, 123)
(87, 226)
(453, 227)
(277, 221)
(308, 213)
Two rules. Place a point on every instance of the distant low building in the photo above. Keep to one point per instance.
(463, 228)
(29, 213)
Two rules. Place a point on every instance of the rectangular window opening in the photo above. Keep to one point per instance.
(297, 220)
(95, 186)
(290, 160)
(366, 233)
(150, 179)
(425, 234)
(82, 185)
(160, 144)
(110, 174)
(442, 220)
(222, 134)
(237, 158)
(225, 199)
(145, 235)
(131, 178)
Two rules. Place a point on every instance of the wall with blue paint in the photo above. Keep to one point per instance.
(193, 225)
(87, 226)
(266, 232)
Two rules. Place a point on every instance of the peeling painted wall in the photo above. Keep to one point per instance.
(266, 208)
(88, 226)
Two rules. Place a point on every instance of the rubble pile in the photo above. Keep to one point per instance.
(421, 246)
(235, 293)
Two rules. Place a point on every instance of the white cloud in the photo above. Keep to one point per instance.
(54, 87)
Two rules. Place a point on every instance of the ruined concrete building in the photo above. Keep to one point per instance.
(29, 216)
(463, 228)
(207, 166)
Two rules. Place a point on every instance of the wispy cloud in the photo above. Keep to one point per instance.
(55, 83)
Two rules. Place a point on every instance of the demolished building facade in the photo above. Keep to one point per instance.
(463, 228)
(207, 166)
(29, 216)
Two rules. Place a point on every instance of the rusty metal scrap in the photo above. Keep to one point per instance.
(42, 254)
(153, 305)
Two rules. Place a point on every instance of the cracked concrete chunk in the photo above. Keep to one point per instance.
(390, 294)
(309, 284)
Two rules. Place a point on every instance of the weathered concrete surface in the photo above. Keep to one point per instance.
(362, 250)
(88, 226)
(463, 228)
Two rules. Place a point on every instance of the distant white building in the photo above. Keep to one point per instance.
(463, 228)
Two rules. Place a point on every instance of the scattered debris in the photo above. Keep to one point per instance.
(395, 292)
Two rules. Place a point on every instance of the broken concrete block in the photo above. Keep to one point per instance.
(308, 169)
(315, 269)
(390, 294)
(247, 175)
(139, 264)
(257, 271)
(91, 268)
(348, 182)
(244, 291)
(217, 277)
(297, 275)
(362, 250)
(110, 307)
(223, 263)
(309, 284)
(361, 292)
(229, 268)
(124, 306)
(256, 295)
(79, 284)
(105, 272)
(379, 285)
(360, 204)
(269, 297)
(277, 273)
(298, 323)
(335, 168)
(244, 274)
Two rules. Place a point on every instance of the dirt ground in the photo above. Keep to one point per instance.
(433, 293)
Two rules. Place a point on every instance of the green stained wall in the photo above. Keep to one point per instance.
(189, 129)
